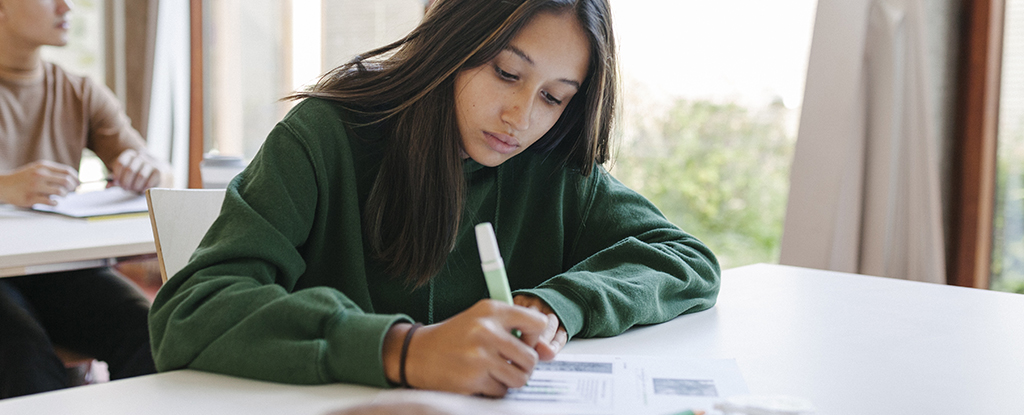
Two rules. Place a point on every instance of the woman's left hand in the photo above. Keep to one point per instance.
(555, 336)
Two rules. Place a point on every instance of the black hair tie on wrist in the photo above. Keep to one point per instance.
(405, 353)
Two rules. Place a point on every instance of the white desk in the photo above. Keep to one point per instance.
(35, 242)
(850, 344)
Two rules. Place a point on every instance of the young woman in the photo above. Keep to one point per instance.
(356, 218)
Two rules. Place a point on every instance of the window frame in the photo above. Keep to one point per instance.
(974, 155)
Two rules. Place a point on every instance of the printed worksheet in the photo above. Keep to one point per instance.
(602, 384)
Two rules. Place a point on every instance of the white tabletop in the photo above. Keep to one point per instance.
(850, 344)
(35, 242)
(853, 344)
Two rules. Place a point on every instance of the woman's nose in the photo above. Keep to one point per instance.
(516, 112)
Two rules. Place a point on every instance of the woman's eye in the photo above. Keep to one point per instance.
(505, 75)
(551, 99)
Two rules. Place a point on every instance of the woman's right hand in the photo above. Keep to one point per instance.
(472, 353)
(36, 182)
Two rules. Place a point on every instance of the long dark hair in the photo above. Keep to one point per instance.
(412, 215)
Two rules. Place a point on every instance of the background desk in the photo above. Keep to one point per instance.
(35, 242)
(851, 344)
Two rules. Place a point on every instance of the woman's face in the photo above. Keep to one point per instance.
(36, 22)
(509, 103)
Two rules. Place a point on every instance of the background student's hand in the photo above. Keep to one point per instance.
(36, 182)
(136, 171)
(472, 353)
(554, 336)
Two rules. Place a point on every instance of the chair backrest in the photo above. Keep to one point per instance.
(180, 219)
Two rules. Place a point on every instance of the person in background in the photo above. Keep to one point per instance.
(354, 224)
(47, 117)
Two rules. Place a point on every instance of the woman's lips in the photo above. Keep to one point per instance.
(504, 144)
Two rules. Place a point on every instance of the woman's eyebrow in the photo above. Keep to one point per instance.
(519, 52)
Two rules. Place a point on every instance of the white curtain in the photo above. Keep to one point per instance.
(168, 130)
(864, 188)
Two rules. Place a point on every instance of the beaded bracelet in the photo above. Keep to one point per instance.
(405, 353)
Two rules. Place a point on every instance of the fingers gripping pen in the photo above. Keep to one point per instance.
(493, 266)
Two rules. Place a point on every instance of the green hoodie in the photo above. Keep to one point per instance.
(282, 289)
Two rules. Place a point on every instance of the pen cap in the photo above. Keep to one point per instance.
(486, 243)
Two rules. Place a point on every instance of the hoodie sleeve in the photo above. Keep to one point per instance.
(236, 309)
(627, 265)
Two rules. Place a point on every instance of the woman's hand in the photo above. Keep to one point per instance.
(36, 182)
(472, 353)
(554, 336)
(136, 171)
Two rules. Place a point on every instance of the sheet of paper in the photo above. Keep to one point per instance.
(110, 201)
(601, 384)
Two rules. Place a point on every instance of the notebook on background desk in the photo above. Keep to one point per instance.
(106, 202)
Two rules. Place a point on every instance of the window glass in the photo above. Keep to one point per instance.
(1008, 228)
(258, 51)
(712, 96)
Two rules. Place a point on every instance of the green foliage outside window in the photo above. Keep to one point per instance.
(1007, 266)
(718, 171)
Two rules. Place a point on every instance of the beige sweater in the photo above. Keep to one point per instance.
(53, 115)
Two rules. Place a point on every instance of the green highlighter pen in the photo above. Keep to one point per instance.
(493, 266)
